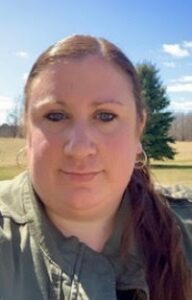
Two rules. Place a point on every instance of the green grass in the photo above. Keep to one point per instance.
(177, 171)
(172, 174)
(9, 148)
(8, 172)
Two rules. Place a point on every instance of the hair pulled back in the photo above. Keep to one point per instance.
(81, 46)
(154, 228)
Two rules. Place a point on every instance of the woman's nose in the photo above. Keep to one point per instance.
(79, 142)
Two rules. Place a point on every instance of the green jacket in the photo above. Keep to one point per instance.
(38, 263)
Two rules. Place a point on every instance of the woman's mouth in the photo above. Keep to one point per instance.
(80, 176)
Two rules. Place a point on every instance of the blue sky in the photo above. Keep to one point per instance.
(156, 31)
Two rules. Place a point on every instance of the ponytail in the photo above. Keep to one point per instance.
(159, 239)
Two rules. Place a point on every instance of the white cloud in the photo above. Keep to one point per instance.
(6, 104)
(180, 87)
(176, 50)
(169, 64)
(181, 105)
(181, 84)
(187, 44)
(185, 79)
(24, 77)
(22, 54)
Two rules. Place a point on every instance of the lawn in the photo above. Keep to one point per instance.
(9, 164)
(169, 172)
(177, 171)
(169, 175)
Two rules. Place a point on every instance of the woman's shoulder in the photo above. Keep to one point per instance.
(13, 220)
(11, 195)
(182, 208)
(179, 200)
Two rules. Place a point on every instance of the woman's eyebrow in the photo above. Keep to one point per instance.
(107, 101)
(48, 101)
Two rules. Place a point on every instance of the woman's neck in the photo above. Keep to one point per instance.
(94, 233)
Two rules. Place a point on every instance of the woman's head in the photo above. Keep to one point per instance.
(84, 117)
(81, 46)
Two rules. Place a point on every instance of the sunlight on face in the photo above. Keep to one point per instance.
(82, 136)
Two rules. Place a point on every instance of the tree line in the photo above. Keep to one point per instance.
(181, 127)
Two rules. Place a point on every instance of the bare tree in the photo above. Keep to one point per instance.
(181, 128)
(188, 126)
(14, 117)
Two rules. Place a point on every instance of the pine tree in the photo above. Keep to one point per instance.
(156, 139)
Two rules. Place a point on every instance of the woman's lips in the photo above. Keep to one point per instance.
(81, 177)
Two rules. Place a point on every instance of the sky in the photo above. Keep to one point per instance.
(158, 31)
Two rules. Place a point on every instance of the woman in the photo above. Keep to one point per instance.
(85, 222)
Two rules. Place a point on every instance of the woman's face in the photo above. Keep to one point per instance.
(82, 136)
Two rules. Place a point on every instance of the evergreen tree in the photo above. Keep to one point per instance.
(156, 139)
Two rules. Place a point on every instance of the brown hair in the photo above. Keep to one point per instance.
(80, 46)
(155, 229)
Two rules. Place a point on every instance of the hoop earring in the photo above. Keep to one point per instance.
(141, 161)
(21, 154)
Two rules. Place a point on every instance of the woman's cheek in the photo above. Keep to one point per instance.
(38, 145)
(123, 147)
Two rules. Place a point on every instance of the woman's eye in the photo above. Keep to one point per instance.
(55, 116)
(106, 116)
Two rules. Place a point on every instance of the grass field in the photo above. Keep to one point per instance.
(169, 172)
(177, 171)
(9, 148)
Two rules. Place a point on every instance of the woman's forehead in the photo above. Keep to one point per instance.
(91, 71)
